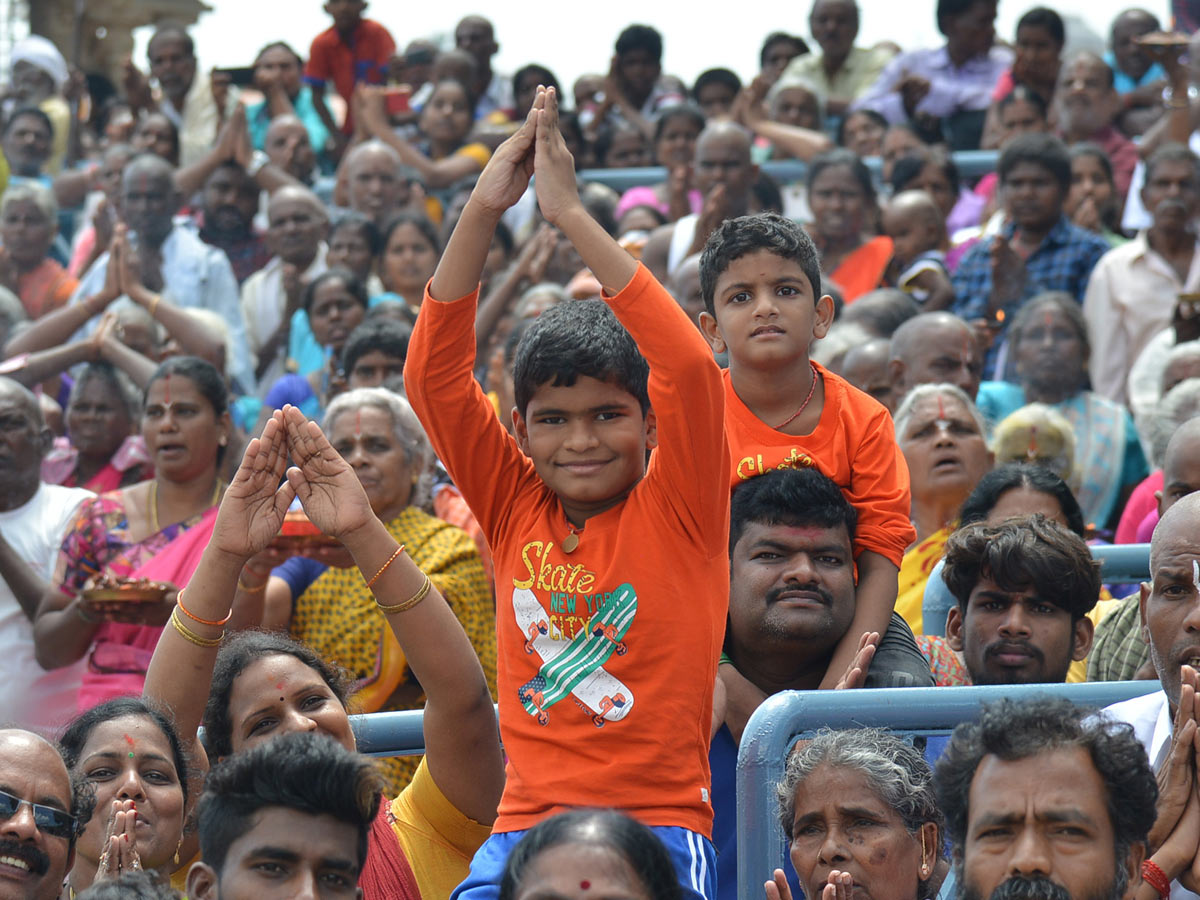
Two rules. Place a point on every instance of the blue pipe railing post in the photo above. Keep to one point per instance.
(785, 717)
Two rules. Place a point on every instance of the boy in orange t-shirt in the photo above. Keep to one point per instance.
(611, 573)
(761, 280)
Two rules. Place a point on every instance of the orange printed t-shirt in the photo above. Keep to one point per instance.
(854, 444)
(607, 655)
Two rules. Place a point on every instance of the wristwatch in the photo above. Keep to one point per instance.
(258, 159)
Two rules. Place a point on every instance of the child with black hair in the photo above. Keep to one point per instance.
(611, 574)
(761, 280)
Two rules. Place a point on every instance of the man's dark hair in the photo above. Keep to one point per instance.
(909, 167)
(735, 238)
(349, 280)
(176, 32)
(882, 311)
(1173, 152)
(1022, 94)
(1012, 731)
(1044, 17)
(1013, 476)
(627, 839)
(1044, 150)
(236, 655)
(27, 111)
(792, 497)
(718, 75)
(782, 37)
(545, 77)
(640, 37)
(874, 116)
(668, 114)
(580, 337)
(385, 335)
(305, 772)
(1024, 554)
(949, 8)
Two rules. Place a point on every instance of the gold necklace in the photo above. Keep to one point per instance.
(154, 529)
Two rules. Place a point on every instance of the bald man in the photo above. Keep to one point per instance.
(934, 348)
(725, 175)
(866, 367)
(271, 298)
(476, 35)
(1165, 721)
(174, 261)
(37, 837)
(375, 181)
(33, 520)
(287, 145)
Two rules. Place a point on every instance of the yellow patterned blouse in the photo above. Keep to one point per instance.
(338, 618)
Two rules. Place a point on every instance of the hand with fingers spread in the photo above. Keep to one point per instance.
(255, 502)
(332, 496)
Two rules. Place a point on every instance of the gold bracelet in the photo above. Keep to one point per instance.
(408, 604)
(190, 636)
(153, 308)
(251, 590)
(391, 559)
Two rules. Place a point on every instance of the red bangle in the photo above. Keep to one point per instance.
(1156, 878)
(215, 624)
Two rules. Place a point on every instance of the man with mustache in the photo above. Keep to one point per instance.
(42, 811)
(1166, 721)
(1044, 801)
(1024, 589)
(791, 598)
(1144, 286)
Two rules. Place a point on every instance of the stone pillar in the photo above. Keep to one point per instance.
(115, 20)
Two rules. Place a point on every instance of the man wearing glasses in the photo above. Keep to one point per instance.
(42, 811)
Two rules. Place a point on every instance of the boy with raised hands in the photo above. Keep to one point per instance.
(611, 573)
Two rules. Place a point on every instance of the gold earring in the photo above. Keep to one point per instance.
(177, 846)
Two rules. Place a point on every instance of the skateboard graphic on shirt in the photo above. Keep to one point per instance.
(575, 666)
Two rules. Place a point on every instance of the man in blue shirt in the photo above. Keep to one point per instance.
(1038, 249)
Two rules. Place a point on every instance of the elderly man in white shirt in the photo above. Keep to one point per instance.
(33, 519)
(174, 261)
(1166, 721)
(296, 227)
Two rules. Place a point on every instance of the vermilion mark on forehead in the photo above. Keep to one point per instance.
(941, 407)
(803, 531)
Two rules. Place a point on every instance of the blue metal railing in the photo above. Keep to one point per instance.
(785, 717)
(1123, 563)
(971, 164)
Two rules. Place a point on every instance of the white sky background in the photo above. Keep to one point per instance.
(572, 37)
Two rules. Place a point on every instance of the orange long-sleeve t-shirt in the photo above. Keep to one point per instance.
(854, 444)
(607, 655)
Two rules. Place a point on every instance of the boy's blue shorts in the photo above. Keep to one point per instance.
(693, 855)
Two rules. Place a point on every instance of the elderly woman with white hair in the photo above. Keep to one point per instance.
(28, 225)
(859, 811)
(331, 609)
(941, 434)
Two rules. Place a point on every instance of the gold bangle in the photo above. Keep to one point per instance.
(391, 559)
(153, 308)
(408, 604)
(190, 636)
(251, 590)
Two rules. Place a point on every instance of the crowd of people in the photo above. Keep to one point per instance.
(357, 388)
